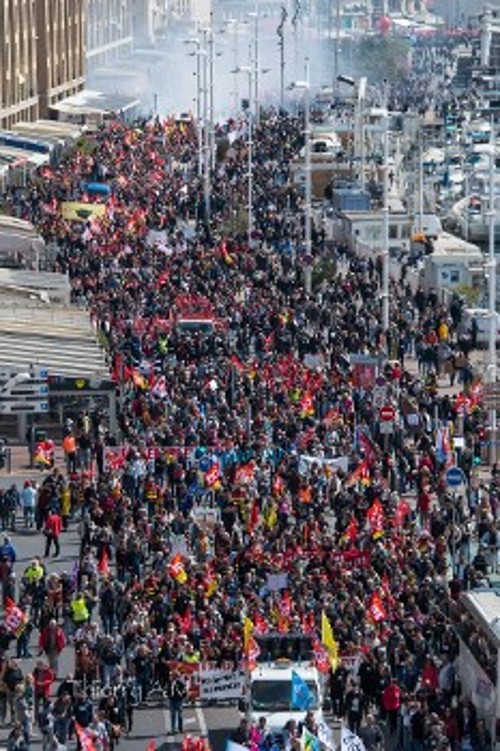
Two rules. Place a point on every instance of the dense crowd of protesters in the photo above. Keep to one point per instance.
(248, 446)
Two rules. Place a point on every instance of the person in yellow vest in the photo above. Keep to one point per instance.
(79, 610)
(191, 655)
(69, 448)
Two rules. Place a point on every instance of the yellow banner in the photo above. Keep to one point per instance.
(81, 212)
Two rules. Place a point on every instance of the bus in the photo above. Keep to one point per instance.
(479, 635)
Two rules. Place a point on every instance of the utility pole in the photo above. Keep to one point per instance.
(492, 290)
(385, 215)
(308, 217)
(336, 70)
(281, 44)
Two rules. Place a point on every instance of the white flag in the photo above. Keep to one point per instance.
(349, 741)
(325, 735)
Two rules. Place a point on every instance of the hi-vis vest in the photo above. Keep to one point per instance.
(79, 610)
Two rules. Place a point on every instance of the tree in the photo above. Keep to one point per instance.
(382, 56)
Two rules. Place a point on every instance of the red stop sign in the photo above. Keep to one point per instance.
(387, 413)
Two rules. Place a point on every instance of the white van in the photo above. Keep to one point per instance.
(482, 318)
(270, 693)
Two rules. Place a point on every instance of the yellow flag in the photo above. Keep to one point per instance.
(329, 642)
(247, 633)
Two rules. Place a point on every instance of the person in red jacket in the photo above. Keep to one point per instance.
(52, 641)
(52, 530)
(391, 702)
(43, 678)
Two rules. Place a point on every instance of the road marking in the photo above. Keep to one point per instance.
(200, 716)
(170, 740)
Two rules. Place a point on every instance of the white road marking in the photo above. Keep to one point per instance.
(200, 716)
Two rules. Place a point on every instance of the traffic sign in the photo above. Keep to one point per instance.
(387, 413)
(17, 408)
(24, 391)
(455, 477)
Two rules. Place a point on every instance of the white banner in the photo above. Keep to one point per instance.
(217, 685)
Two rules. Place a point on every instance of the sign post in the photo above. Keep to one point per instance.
(387, 415)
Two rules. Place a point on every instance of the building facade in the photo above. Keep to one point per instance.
(42, 56)
(60, 28)
(109, 31)
(18, 62)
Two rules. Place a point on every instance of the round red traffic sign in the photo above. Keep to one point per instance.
(387, 413)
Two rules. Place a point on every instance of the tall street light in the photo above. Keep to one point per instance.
(492, 290)
(199, 54)
(250, 71)
(305, 87)
(255, 16)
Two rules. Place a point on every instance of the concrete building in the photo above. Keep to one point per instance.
(149, 20)
(60, 50)
(42, 56)
(490, 41)
(109, 31)
(18, 65)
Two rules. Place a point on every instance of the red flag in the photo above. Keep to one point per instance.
(376, 609)
(375, 517)
(283, 624)
(307, 405)
(252, 652)
(278, 485)
(321, 657)
(286, 603)
(308, 623)
(185, 622)
(360, 474)
(254, 517)
(259, 624)
(176, 569)
(15, 618)
(236, 363)
(103, 565)
(402, 511)
(368, 448)
(351, 532)
(85, 738)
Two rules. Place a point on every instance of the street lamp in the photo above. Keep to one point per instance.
(255, 16)
(492, 287)
(200, 55)
(305, 87)
(250, 71)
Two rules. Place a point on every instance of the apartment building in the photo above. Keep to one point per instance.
(42, 56)
(18, 62)
(60, 26)
(109, 31)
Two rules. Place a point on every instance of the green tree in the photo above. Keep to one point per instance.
(383, 56)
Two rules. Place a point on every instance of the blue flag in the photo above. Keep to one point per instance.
(302, 696)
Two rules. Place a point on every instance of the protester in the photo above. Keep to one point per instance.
(248, 449)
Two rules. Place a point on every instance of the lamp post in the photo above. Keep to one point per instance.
(199, 54)
(305, 87)
(249, 70)
(385, 230)
(206, 128)
(255, 16)
(492, 266)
